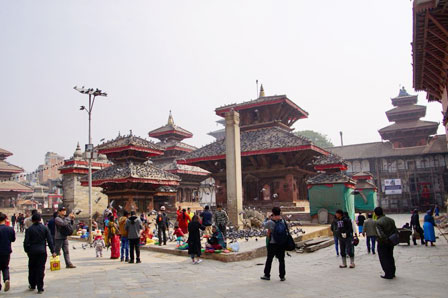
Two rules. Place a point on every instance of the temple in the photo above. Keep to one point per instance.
(366, 192)
(408, 130)
(133, 182)
(275, 162)
(171, 138)
(9, 189)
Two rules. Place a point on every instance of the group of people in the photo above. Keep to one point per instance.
(18, 222)
(427, 233)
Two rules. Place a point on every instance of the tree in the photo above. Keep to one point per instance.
(320, 140)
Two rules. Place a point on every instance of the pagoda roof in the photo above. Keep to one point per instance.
(133, 172)
(407, 109)
(362, 176)
(330, 161)
(330, 178)
(262, 101)
(173, 167)
(176, 145)
(437, 145)
(254, 142)
(4, 153)
(13, 186)
(129, 142)
(9, 168)
(362, 184)
(409, 125)
(170, 129)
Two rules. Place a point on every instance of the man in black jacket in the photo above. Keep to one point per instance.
(163, 225)
(36, 238)
(415, 224)
(7, 235)
(345, 238)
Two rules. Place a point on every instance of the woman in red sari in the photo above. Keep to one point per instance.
(183, 219)
(114, 239)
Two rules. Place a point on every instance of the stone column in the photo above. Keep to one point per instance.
(233, 168)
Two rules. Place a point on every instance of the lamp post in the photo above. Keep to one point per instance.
(93, 93)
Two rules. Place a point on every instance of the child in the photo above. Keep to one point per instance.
(99, 244)
(179, 234)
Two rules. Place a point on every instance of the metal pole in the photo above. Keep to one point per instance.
(90, 170)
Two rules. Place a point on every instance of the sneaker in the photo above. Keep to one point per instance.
(71, 266)
(352, 266)
(264, 277)
(342, 266)
(198, 261)
(131, 261)
(40, 291)
(138, 261)
(7, 284)
(282, 279)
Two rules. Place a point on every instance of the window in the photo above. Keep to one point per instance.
(365, 166)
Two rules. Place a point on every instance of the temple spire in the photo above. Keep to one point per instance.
(170, 119)
(261, 91)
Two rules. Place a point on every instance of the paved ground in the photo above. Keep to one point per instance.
(422, 272)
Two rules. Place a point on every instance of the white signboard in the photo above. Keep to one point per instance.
(392, 186)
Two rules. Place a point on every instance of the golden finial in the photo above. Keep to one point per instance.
(261, 91)
(170, 119)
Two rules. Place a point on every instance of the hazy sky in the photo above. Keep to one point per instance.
(341, 61)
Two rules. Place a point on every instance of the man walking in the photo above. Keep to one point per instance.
(134, 228)
(124, 237)
(207, 218)
(163, 225)
(385, 227)
(7, 236)
(221, 220)
(36, 238)
(277, 233)
(360, 222)
(415, 224)
(369, 230)
(13, 220)
(63, 227)
(345, 237)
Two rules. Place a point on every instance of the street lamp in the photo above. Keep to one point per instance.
(93, 93)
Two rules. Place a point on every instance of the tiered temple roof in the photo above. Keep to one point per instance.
(78, 163)
(170, 131)
(7, 185)
(331, 165)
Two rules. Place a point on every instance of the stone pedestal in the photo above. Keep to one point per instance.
(233, 169)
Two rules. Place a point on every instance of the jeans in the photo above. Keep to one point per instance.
(275, 250)
(161, 232)
(4, 266)
(386, 255)
(336, 244)
(134, 244)
(36, 270)
(124, 248)
(346, 245)
(63, 243)
(371, 240)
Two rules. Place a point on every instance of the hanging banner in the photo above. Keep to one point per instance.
(392, 186)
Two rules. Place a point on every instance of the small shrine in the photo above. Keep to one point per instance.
(133, 182)
(331, 189)
(366, 192)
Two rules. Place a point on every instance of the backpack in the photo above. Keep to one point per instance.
(280, 232)
(66, 230)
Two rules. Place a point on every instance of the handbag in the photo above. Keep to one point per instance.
(290, 245)
(394, 238)
(55, 263)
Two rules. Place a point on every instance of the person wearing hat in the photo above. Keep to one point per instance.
(61, 222)
(163, 225)
(36, 238)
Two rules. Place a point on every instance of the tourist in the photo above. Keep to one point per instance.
(163, 225)
(183, 219)
(52, 225)
(360, 222)
(277, 232)
(134, 228)
(436, 210)
(207, 218)
(385, 227)
(216, 240)
(113, 238)
(7, 236)
(428, 228)
(221, 220)
(345, 237)
(21, 220)
(194, 239)
(369, 230)
(63, 227)
(98, 244)
(13, 220)
(179, 235)
(190, 214)
(124, 237)
(334, 229)
(415, 224)
(36, 238)
(28, 221)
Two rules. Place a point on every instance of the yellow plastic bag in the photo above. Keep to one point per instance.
(55, 263)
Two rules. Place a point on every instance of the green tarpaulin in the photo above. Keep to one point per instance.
(332, 198)
(367, 204)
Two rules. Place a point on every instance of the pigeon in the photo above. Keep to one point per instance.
(74, 247)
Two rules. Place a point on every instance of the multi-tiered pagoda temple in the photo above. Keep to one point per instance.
(408, 130)
(132, 182)
(275, 161)
(171, 139)
(9, 189)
